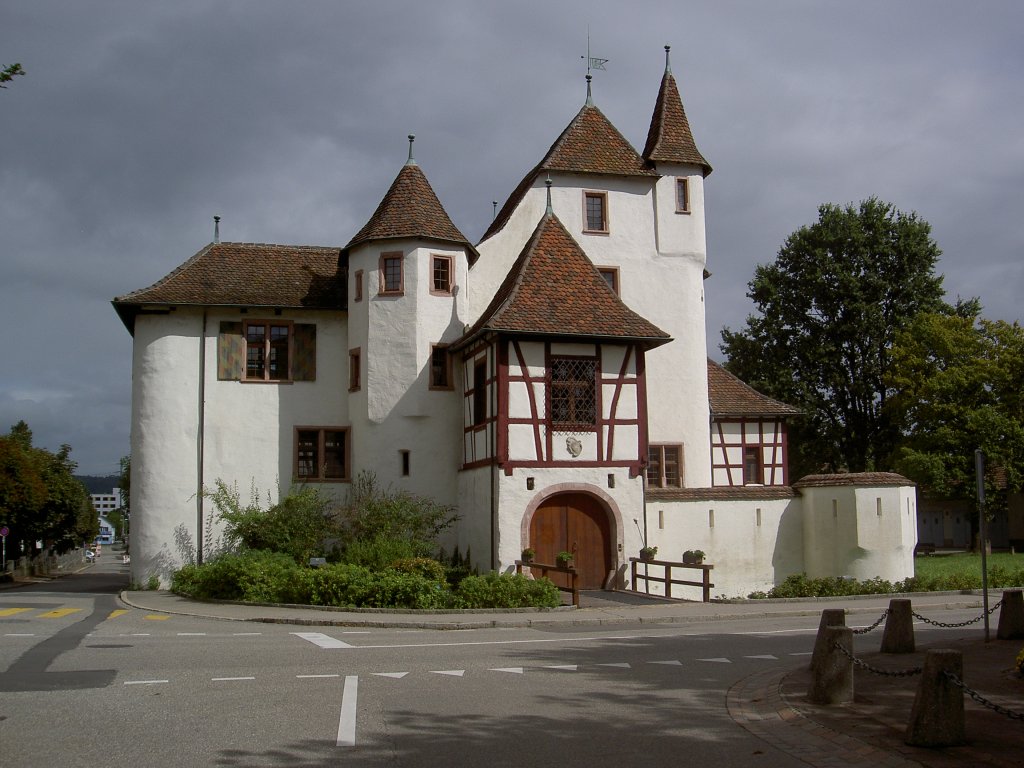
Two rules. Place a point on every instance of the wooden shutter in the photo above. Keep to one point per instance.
(304, 362)
(230, 352)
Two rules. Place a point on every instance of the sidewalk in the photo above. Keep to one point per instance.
(771, 705)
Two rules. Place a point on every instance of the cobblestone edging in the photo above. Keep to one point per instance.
(757, 704)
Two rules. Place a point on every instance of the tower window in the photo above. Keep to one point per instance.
(391, 278)
(682, 195)
(596, 211)
(440, 367)
(441, 275)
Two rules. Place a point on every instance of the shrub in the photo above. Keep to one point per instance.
(255, 576)
(379, 552)
(424, 566)
(506, 590)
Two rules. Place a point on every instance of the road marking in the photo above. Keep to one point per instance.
(322, 640)
(395, 675)
(622, 664)
(116, 613)
(673, 662)
(514, 670)
(229, 679)
(718, 660)
(19, 634)
(347, 720)
(245, 634)
(451, 672)
(763, 656)
(803, 653)
(310, 677)
(59, 613)
(145, 682)
(13, 611)
(565, 667)
(139, 634)
(156, 617)
(191, 634)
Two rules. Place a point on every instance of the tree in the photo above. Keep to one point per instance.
(9, 73)
(957, 382)
(40, 499)
(829, 309)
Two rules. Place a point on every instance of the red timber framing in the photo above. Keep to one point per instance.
(772, 441)
(483, 353)
(516, 371)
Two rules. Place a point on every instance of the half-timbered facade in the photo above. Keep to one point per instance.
(551, 382)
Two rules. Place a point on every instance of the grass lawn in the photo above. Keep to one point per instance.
(963, 563)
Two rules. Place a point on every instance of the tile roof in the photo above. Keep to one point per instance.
(590, 144)
(247, 275)
(411, 209)
(554, 289)
(852, 478)
(728, 396)
(721, 493)
(669, 139)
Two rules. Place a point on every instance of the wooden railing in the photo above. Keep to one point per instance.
(545, 568)
(705, 584)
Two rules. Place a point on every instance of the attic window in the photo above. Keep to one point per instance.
(595, 212)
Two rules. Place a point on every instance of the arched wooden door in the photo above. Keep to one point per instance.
(574, 521)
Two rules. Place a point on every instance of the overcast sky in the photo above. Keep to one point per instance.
(137, 122)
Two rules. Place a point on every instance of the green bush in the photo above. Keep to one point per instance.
(424, 566)
(254, 576)
(506, 590)
(798, 585)
(379, 552)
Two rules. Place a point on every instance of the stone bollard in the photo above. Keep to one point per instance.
(937, 717)
(832, 670)
(898, 636)
(1011, 616)
(830, 617)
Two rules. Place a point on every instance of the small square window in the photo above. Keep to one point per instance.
(441, 275)
(665, 466)
(391, 274)
(321, 454)
(596, 211)
(682, 195)
(611, 276)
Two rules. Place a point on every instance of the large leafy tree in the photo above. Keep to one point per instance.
(40, 499)
(957, 379)
(828, 311)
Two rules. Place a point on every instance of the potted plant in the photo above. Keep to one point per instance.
(648, 553)
(528, 554)
(564, 559)
(693, 557)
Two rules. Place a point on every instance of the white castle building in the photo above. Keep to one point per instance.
(551, 382)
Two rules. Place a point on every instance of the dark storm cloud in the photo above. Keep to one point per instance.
(136, 123)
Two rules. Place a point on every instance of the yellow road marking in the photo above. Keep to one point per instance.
(155, 617)
(59, 613)
(118, 612)
(13, 611)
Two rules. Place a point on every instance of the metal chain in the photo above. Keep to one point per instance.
(865, 630)
(959, 624)
(981, 699)
(875, 670)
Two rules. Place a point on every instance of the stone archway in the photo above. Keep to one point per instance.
(575, 521)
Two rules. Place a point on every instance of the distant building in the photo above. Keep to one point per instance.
(106, 502)
(106, 534)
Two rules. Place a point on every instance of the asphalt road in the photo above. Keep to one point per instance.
(88, 683)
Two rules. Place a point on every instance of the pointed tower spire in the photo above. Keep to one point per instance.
(669, 139)
(547, 183)
(411, 160)
(590, 96)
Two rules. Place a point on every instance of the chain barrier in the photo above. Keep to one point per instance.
(874, 626)
(945, 625)
(981, 699)
(875, 670)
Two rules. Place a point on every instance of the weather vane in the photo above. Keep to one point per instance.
(593, 63)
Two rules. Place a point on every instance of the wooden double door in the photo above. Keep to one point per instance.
(578, 523)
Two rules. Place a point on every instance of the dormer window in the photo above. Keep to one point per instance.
(595, 212)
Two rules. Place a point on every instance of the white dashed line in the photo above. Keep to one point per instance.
(145, 682)
(229, 679)
(310, 677)
(347, 721)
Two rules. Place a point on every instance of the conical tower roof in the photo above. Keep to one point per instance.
(553, 289)
(669, 139)
(410, 209)
(590, 144)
